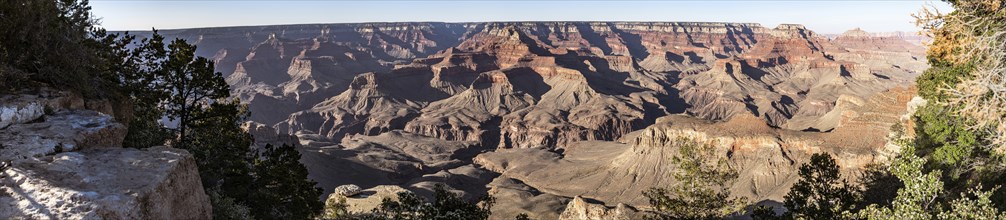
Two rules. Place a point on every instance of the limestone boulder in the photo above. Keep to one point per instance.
(154, 183)
(347, 190)
(580, 209)
(63, 131)
(367, 199)
(14, 110)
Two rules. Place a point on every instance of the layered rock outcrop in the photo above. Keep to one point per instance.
(579, 209)
(367, 200)
(590, 103)
(528, 84)
(62, 131)
(62, 161)
(766, 158)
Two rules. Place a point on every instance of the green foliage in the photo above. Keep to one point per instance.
(192, 84)
(764, 212)
(522, 216)
(169, 80)
(978, 207)
(941, 76)
(48, 41)
(272, 183)
(880, 186)
(226, 208)
(917, 199)
(336, 209)
(135, 71)
(921, 197)
(56, 43)
(702, 186)
(172, 81)
(945, 138)
(820, 193)
(960, 128)
(445, 206)
(222, 151)
(282, 181)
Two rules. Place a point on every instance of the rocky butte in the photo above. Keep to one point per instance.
(560, 120)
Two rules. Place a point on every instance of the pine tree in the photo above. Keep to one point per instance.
(192, 84)
(281, 186)
(820, 193)
(185, 88)
(48, 42)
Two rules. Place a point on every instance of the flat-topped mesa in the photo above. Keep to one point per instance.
(863, 42)
(687, 27)
(795, 31)
(673, 27)
(393, 26)
(857, 32)
(791, 27)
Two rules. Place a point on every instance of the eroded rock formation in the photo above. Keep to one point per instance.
(529, 84)
(557, 110)
(766, 158)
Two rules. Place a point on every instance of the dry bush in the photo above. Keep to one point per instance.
(974, 34)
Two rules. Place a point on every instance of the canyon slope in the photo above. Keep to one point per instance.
(544, 113)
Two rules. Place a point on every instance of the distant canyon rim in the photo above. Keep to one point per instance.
(539, 114)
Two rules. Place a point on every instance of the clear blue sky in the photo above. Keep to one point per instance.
(820, 16)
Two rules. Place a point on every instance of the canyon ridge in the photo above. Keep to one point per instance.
(563, 119)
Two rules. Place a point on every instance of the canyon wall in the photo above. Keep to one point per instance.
(540, 114)
(528, 84)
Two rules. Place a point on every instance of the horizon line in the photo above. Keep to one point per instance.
(473, 22)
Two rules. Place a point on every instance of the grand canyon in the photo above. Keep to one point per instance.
(562, 119)
(444, 110)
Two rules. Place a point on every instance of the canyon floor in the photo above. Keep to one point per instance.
(556, 119)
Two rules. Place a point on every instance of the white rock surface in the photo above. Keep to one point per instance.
(23, 108)
(154, 183)
(347, 190)
(15, 111)
(63, 131)
(580, 209)
(368, 199)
